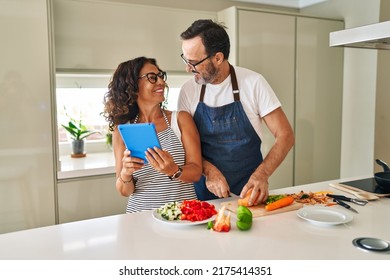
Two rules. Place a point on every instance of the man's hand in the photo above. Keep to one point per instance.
(259, 182)
(215, 181)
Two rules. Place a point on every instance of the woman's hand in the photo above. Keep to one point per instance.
(162, 161)
(130, 165)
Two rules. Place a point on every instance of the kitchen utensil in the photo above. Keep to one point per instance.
(383, 178)
(359, 194)
(342, 197)
(259, 210)
(345, 205)
(383, 164)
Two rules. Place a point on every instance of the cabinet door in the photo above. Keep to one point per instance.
(318, 102)
(89, 198)
(26, 154)
(102, 34)
(266, 44)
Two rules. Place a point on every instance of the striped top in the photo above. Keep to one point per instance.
(152, 188)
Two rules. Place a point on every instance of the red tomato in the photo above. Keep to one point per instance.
(196, 210)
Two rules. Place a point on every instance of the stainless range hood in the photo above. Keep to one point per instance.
(373, 36)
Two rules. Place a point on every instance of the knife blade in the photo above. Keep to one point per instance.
(345, 205)
(345, 198)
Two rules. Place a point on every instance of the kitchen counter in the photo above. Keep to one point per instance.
(94, 164)
(139, 236)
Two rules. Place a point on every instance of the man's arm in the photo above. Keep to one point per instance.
(215, 181)
(281, 129)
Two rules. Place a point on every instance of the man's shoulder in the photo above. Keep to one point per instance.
(189, 84)
(246, 72)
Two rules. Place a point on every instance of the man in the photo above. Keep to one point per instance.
(228, 105)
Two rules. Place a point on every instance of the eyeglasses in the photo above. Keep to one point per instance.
(153, 77)
(193, 65)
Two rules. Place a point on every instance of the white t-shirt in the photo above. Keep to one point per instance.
(256, 95)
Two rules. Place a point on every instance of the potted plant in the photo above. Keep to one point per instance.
(78, 132)
(109, 139)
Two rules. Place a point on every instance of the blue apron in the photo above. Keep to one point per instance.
(228, 141)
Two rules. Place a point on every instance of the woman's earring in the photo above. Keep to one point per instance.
(166, 93)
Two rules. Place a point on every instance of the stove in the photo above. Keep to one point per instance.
(367, 184)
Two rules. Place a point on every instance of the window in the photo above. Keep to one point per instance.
(81, 97)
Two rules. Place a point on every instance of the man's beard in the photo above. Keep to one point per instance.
(209, 75)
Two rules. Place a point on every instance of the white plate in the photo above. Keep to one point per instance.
(158, 217)
(324, 215)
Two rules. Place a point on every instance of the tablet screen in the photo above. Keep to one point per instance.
(139, 137)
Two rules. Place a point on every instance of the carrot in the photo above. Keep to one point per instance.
(279, 203)
(244, 201)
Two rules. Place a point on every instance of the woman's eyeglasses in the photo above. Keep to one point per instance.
(153, 77)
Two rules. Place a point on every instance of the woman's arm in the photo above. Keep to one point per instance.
(124, 165)
(192, 169)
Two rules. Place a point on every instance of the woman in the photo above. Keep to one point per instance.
(136, 95)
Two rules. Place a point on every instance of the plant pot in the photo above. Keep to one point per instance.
(78, 148)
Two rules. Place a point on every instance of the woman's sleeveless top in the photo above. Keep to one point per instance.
(152, 188)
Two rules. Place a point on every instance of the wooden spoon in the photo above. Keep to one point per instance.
(359, 194)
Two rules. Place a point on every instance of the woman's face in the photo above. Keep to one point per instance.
(151, 85)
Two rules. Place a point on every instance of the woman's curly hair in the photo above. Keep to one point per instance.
(120, 102)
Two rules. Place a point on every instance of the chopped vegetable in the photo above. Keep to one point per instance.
(222, 221)
(196, 210)
(244, 201)
(244, 218)
(170, 211)
(304, 196)
(311, 198)
(280, 203)
(191, 210)
(273, 198)
(210, 225)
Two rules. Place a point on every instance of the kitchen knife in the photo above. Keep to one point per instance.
(345, 205)
(345, 198)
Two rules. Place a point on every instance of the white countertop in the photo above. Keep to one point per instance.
(91, 165)
(139, 236)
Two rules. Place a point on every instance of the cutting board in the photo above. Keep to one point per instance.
(259, 211)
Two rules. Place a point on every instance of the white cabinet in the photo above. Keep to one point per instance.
(86, 198)
(293, 54)
(100, 35)
(318, 106)
(27, 193)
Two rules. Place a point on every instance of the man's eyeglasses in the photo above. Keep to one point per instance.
(193, 65)
(153, 77)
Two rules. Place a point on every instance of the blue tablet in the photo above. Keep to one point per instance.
(139, 137)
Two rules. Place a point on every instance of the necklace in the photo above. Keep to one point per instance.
(162, 111)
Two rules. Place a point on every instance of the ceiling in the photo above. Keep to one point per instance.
(297, 4)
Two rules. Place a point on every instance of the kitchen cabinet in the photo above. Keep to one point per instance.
(318, 107)
(27, 172)
(100, 35)
(292, 52)
(90, 197)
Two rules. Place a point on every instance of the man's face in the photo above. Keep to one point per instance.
(197, 61)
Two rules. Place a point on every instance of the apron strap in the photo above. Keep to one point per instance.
(202, 91)
(233, 78)
(236, 91)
